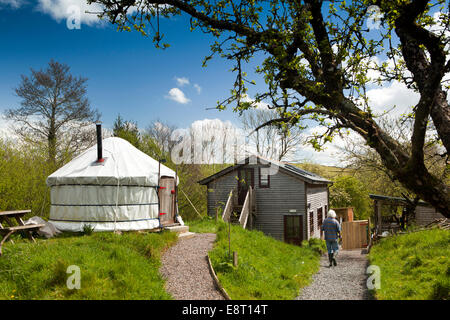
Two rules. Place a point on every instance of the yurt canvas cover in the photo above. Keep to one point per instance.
(117, 194)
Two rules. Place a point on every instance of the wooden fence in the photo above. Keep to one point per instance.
(355, 234)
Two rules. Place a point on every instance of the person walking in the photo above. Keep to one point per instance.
(332, 230)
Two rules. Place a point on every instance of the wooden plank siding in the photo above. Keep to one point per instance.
(317, 197)
(218, 191)
(285, 194)
(426, 215)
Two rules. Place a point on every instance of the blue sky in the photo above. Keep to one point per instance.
(126, 73)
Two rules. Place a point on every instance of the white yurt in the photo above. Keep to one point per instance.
(111, 186)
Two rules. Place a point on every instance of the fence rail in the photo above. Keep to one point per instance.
(228, 208)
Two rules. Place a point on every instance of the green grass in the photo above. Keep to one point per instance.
(112, 267)
(414, 266)
(267, 268)
(205, 225)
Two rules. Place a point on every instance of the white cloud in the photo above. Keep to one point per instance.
(257, 105)
(177, 95)
(64, 9)
(332, 154)
(198, 88)
(12, 3)
(6, 131)
(396, 94)
(182, 81)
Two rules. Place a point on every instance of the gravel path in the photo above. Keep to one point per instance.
(186, 270)
(346, 281)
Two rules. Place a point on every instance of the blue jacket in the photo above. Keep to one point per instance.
(332, 229)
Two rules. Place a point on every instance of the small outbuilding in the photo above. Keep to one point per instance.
(286, 202)
(113, 186)
(386, 210)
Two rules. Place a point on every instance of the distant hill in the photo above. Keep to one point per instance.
(328, 172)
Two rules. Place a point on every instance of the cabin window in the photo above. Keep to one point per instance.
(264, 178)
(311, 223)
(319, 220)
(319, 217)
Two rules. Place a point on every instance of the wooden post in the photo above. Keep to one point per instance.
(229, 238)
(235, 259)
(176, 192)
(378, 216)
(158, 194)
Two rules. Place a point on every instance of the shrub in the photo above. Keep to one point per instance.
(88, 229)
(318, 245)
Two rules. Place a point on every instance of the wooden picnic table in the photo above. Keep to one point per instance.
(6, 218)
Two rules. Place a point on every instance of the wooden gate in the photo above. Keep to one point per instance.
(355, 234)
(167, 204)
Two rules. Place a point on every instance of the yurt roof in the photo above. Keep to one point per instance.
(124, 164)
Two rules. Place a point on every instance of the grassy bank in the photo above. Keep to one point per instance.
(267, 268)
(111, 266)
(414, 265)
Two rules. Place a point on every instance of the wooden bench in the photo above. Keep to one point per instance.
(6, 232)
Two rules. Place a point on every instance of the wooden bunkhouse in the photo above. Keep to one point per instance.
(280, 199)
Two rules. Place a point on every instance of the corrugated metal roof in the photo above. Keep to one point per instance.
(395, 199)
(306, 175)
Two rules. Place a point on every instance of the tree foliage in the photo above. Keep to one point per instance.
(317, 55)
(23, 172)
(271, 141)
(348, 191)
(54, 108)
(127, 130)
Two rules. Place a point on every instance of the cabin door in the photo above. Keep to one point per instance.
(245, 179)
(167, 201)
(293, 229)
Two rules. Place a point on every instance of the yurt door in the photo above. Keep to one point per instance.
(167, 200)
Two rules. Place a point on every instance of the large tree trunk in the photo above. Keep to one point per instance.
(428, 187)
(440, 113)
(51, 138)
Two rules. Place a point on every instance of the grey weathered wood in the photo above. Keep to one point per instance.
(235, 259)
(425, 215)
(8, 231)
(317, 197)
(4, 239)
(287, 193)
(14, 213)
(21, 228)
